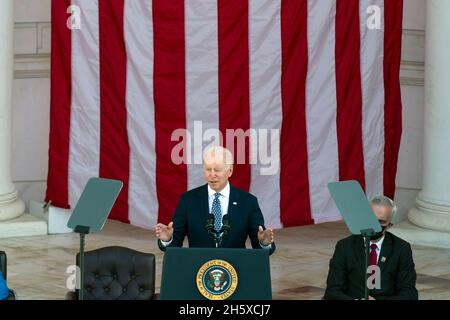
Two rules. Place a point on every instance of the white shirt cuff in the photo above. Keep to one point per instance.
(166, 243)
(269, 246)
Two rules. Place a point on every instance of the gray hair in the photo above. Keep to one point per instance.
(221, 152)
(388, 202)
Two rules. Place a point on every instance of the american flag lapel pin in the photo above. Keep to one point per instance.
(383, 259)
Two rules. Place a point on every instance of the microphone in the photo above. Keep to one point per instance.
(210, 220)
(225, 225)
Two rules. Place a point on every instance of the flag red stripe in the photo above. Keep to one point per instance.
(393, 14)
(348, 92)
(169, 97)
(234, 105)
(114, 147)
(61, 96)
(295, 208)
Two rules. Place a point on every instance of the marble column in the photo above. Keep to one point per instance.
(10, 205)
(432, 209)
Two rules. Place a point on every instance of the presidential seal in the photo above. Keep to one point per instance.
(217, 280)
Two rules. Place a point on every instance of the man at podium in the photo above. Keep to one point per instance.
(392, 255)
(230, 207)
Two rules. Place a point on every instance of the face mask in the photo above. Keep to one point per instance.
(378, 235)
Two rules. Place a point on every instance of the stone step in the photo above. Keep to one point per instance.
(420, 236)
(24, 226)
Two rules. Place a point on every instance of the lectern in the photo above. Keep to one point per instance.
(216, 274)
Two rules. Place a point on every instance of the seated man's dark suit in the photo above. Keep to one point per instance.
(190, 217)
(346, 277)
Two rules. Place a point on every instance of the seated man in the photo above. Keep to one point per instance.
(393, 256)
(4, 291)
(220, 198)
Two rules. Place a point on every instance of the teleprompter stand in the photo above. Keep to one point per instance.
(91, 212)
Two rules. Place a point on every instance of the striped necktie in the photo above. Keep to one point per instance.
(217, 212)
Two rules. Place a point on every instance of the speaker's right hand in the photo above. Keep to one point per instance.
(164, 232)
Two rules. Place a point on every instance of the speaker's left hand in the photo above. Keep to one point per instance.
(265, 237)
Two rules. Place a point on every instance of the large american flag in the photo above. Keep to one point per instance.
(136, 70)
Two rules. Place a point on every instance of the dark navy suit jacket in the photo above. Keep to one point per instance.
(192, 212)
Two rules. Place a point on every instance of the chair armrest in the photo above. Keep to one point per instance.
(71, 295)
(12, 295)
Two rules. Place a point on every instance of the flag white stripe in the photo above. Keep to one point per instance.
(138, 29)
(372, 81)
(265, 102)
(323, 161)
(202, 84)
(85, 109)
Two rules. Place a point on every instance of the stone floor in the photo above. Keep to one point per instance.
(37, 265)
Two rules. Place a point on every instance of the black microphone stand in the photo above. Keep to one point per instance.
(225, 226)
(210, 221)
(217, 236)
